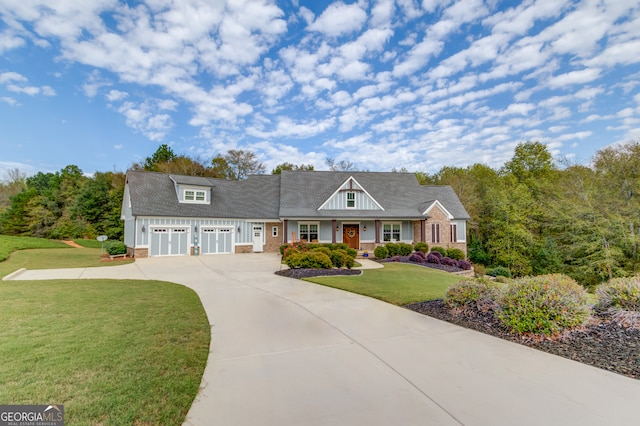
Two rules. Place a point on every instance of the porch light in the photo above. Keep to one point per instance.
(196, 229)
(364, 228)
(143, 229)
(337, 228)
(238, 229)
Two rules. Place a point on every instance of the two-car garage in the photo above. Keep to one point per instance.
(175, 240)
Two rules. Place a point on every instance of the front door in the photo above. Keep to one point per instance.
(351, 236)
(257, 239)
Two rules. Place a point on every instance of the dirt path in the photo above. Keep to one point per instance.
(72, 244)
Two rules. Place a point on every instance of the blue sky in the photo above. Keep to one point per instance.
(384, 84)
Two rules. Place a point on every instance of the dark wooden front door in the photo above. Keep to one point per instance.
(351, 236)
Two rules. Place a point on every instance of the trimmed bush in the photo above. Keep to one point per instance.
(479, 270)
(620, 293)
(322, 249)
(463, 264)
(467, 293)
(440, 250)
(545, 304)
(309, 259)
(393, 249)
(421, 247)
(499, 271)
(416, 258)
(283, 247)
(351, 252)
(455, 253)
(448, 261)
(115, 247)
(432, 258)
(404, 249)
(338, 257)
(381, 252)
(437, 254)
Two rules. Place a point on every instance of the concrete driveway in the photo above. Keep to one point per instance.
(286, 352)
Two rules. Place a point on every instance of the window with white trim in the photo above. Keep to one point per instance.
(308, 231)
(351, 200)
(435, 232)
(194, 195)
(454, 233)
(391, 232)
(274, 231)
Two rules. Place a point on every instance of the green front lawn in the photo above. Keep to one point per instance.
(113, 352)
(397, 283)
(38, 253)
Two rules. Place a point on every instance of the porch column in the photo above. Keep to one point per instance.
(378, 226)
(333, 231)
(285, 230)
(423, 233)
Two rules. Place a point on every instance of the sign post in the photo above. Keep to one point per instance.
(102, 239)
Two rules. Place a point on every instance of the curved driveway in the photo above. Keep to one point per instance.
(287, 352)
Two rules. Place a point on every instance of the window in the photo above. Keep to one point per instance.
(435, 232)
(192, 195)
(274, 231)
(351, 200)
(454, 233)
(391, 232)
(308, 231)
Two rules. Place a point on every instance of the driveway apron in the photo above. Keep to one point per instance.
(288, 352)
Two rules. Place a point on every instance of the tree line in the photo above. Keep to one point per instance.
(532, 216)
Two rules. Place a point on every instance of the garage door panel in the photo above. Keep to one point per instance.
(216, 240)
(169, 241)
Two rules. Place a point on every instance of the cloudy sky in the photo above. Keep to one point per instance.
(383, 84)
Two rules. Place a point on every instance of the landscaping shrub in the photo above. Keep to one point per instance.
(440, 250)
(115, 247)
(544, 304)
(381, 252)
(393, 248)
(421, 247)
(404, 249)
(463, 264)
(338, 257)
(351, 252)
(448, 261)
(308, 260)
(415, 257)
(322, 249)
(468, 292)
(499, 271)
(620, 293)
(437, 254)
(455, 253)
(338, 246)
(479, 270)
(283, 247)
(432, 258)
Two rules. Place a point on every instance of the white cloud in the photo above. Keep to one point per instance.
(116, 95)
(12, 76)
(339, 19)
(574, 77)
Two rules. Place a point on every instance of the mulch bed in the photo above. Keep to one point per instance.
(601, 343)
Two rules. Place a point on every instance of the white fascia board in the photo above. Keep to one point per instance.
(437, 203)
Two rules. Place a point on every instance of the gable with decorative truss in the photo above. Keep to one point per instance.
(351, 196)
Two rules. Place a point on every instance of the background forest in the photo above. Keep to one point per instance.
(532, 216)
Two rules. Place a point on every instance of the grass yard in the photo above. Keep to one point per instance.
(46, 254)
(397, 283)
(10, 244)
(113, 352)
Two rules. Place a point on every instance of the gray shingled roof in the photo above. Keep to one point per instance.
(399, 194)
(296, 194)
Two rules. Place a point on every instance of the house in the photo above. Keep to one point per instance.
(167, 214)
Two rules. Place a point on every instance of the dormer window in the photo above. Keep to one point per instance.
(194, 196)
(351, 200)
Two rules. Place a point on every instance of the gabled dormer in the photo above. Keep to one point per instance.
(193, 190)
(350, 196)
(427, 208)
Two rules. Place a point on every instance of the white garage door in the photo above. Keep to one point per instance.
(169, 241)
(216, 240)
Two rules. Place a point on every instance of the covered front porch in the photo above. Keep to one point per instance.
(359, 234)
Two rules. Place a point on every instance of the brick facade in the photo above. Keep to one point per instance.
(272, 244)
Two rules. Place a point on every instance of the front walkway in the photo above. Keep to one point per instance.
(288, 352)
